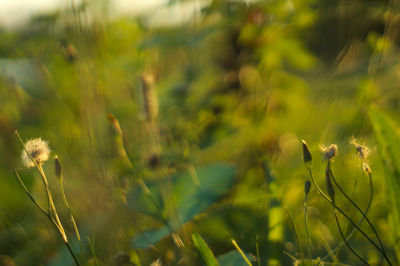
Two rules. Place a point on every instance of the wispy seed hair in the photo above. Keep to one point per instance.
(329, 151)
(36, 148)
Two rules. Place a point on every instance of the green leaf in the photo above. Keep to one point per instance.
(191, 192)
(232, 258)
(388, 139)
(204, 250)
(150, 237)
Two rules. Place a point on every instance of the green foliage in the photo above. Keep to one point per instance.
(236, 85)
(388, 139)
(192, 192)
(232, 258)
(205, 252)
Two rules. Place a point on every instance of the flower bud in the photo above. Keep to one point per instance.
(307, 187)
(306, 152)
(57, 167)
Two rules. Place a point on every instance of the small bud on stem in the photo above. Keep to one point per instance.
(306, 152)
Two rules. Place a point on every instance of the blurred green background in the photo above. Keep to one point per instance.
(212, 108)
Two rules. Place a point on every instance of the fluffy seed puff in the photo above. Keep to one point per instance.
(329, 152)
(38, 149)
(362, 151)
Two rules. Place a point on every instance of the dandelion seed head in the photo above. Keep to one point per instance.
(329, 151)
(36, 148)
(362, 151)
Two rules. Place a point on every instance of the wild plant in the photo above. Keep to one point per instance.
(329, 152)
(35, 153)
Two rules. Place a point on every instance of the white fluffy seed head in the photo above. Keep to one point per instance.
(38, 149)
(329, 151)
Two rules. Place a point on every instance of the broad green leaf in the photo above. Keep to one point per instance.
(388, 139)
(204, 250)
(232, 258)
(192, 192)
(63, 256)
(150, 237)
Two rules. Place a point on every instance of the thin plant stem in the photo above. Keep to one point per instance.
(344, 239)
(48, 215)
(30, 195)
(72, 253)
(52, 206)
(33, 160)
(241, 252)
(306, 225)
(343, 213)
(359, 222)
(295, 232)
(69, 210)
(55, 220)
(258, 251)
(362, 213)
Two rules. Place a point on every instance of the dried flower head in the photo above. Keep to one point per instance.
(362, 151)
(36, 149)
(329, 151)
(366, 167)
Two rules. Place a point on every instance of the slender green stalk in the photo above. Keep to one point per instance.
(306, 225)
(60, 176)
(295, 232)
(363, 214)
(241, 252)
(345, 241)
(360, 221)
(30, 195)
(33, 160)
(342, 212)
(258, 251)
(52, 209)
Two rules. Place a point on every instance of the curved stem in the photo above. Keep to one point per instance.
(345, 241)
(52, 206)
(342, 212)
(72, 253)
(70, 212)
(360, 221)
(363, 214)
(295, 231)
(30, 195)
